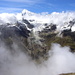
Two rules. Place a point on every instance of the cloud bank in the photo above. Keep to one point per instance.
(15, 62)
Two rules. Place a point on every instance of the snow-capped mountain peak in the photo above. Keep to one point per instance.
(26, 12)
(61, 20)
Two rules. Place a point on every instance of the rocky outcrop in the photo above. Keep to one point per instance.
(28, 24)
(12, 31)
(49, 28)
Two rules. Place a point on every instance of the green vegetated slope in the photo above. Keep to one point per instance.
(67, 40)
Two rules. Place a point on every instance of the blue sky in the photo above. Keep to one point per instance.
(37, 6)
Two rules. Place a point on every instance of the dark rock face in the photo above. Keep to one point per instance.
(23, 29)
(66, 32)
(53, 27)
(12, 31)
(49, 28)
(71, 23)
(31, 20)
(69, 33)
(28, 24)
(17, 33)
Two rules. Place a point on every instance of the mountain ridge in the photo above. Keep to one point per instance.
(38, 20)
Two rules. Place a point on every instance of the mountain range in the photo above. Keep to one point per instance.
(34, 33)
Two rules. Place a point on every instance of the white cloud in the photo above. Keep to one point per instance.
(16, 62)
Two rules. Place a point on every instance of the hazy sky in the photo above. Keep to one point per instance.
(12, 6)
